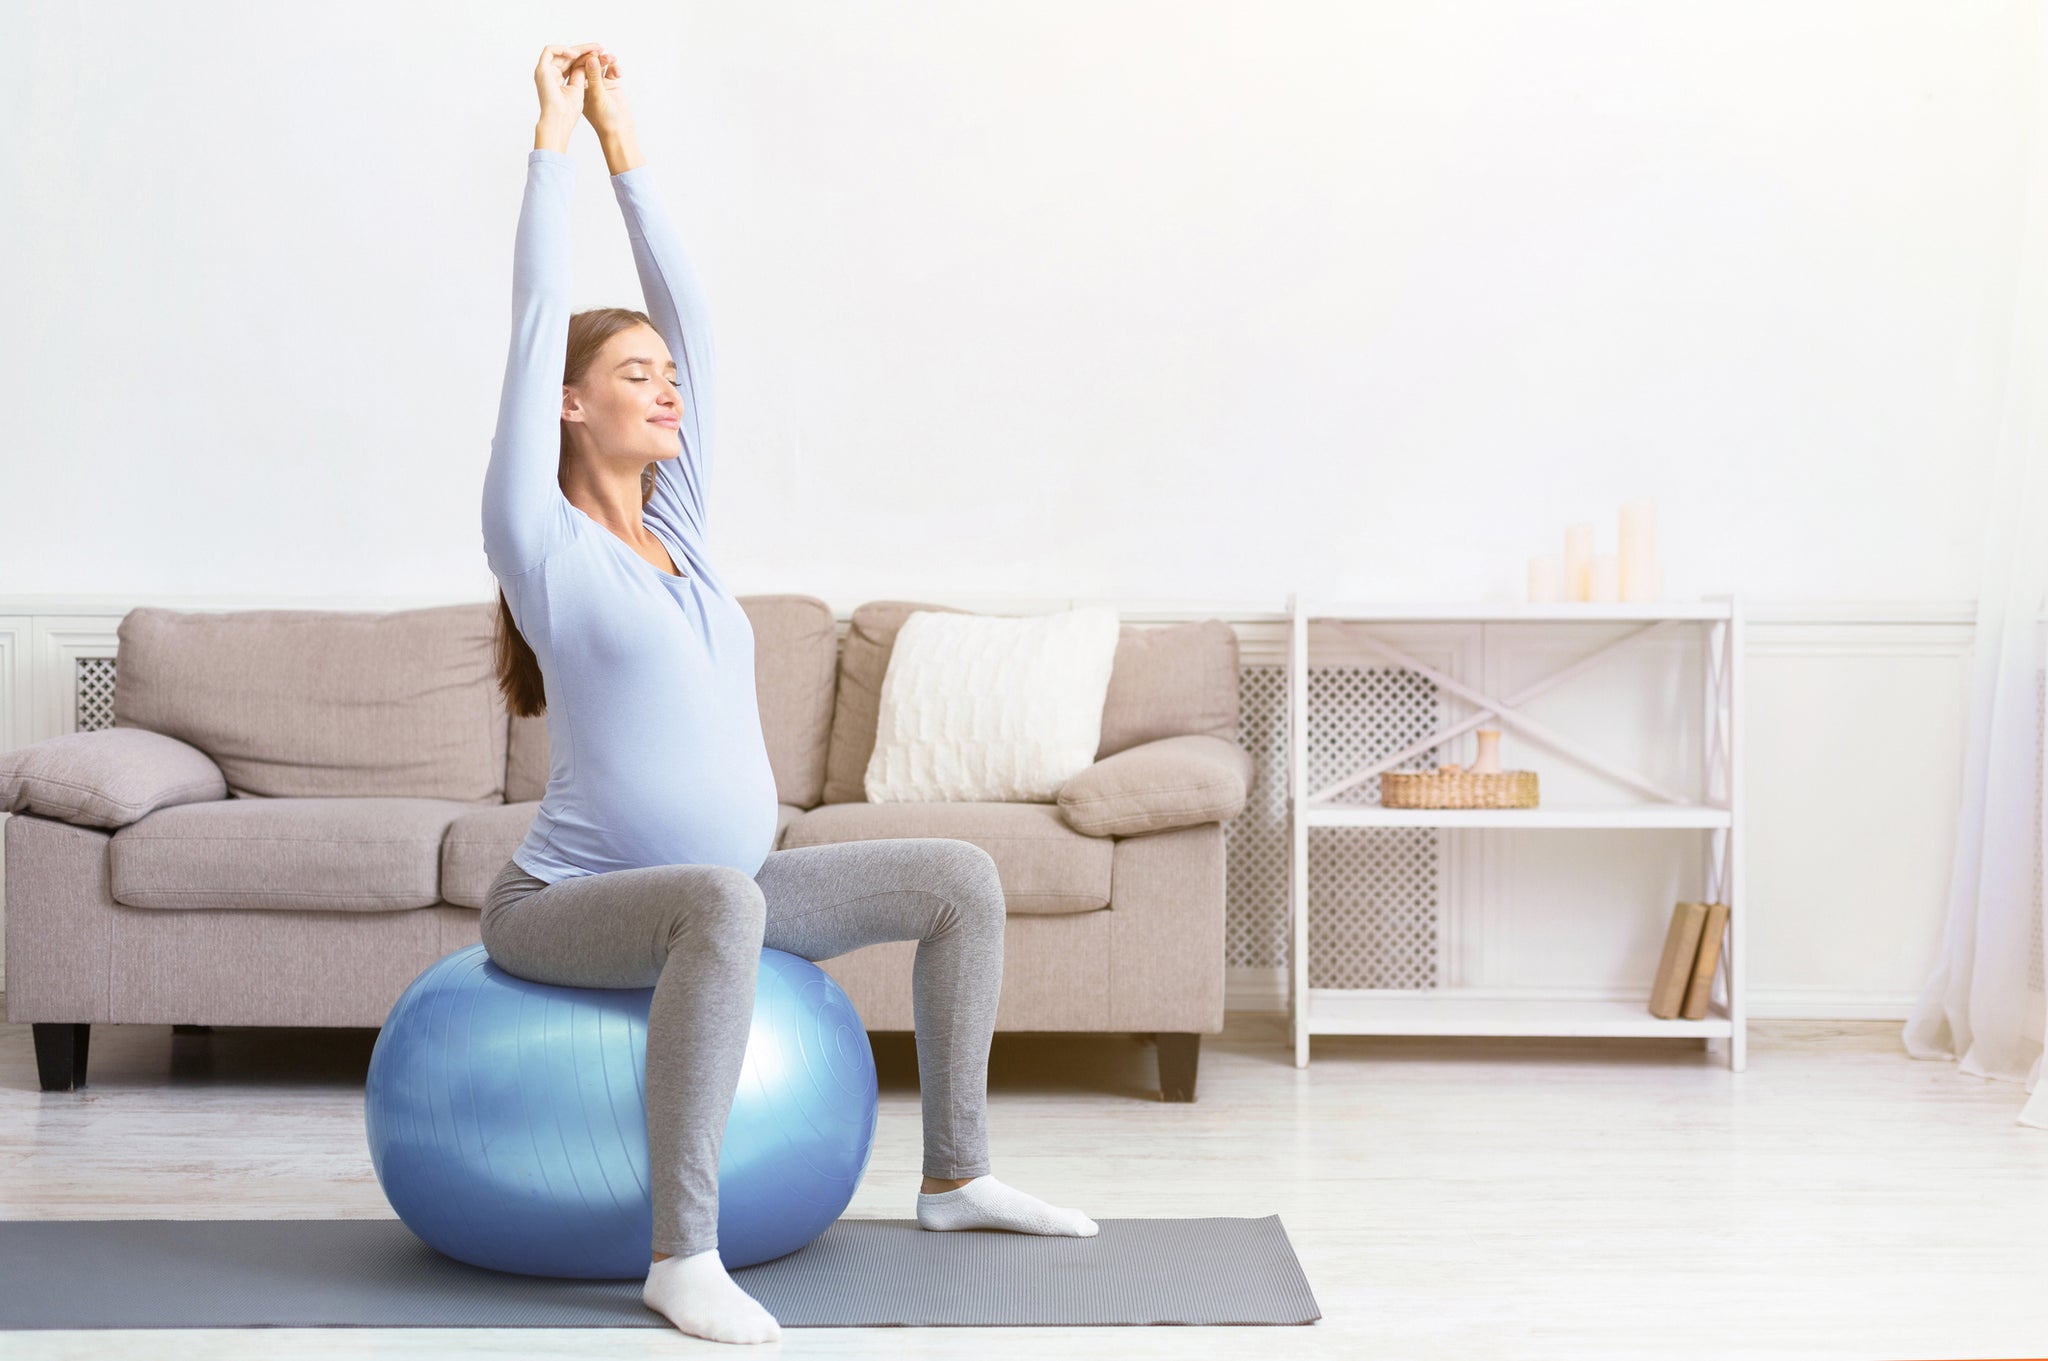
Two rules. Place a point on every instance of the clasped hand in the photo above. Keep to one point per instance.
(582, 79)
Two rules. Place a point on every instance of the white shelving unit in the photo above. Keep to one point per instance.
(1499, 1011)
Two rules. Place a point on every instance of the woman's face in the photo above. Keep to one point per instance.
(628, 402)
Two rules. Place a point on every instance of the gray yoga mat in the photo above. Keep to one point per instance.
(375, 1273)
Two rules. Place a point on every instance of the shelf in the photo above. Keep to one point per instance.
(1494, 1011)
(1584, 816)
(1474, 673)
(1513, 612)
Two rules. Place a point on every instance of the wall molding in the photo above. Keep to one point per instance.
(16, 661)
(1239, 610)
(59, 643)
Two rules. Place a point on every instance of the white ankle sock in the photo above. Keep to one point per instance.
(987, 1203)
(696, 1295)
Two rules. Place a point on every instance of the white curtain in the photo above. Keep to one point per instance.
(1985, 1004)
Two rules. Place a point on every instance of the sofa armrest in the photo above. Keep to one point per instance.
(1165, 783)
(106, 777)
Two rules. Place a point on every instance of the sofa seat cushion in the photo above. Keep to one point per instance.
(368, 854)
(477, 846)
(481, 841)
(1047, 867)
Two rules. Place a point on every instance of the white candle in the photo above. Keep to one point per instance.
(1604, 580)
(1544, 575)
(1578, 557)
(1638, 550)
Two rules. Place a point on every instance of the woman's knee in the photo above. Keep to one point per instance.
(973, 883)
(982, 865)
(719, 906)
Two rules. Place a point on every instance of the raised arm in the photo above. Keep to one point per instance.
(675, 299)
(524, 508)
(525, 515)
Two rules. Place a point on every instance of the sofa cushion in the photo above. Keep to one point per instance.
(323, 703)
(1167, 680)
(1171, 679)
(526, 759)
(476, 847)
(479, 842)
(1047, 867)
(106, 777)
(1171, 782)
(857, 695)
(796, 647)
(332, 855)
(987, 708)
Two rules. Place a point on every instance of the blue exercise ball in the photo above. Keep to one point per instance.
(507, 1119)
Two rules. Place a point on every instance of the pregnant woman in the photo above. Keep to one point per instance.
(648, 863)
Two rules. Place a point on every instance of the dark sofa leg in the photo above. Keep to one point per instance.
(1178, 1055)
(60, 1054)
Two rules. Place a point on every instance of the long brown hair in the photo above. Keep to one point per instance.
(519, 675)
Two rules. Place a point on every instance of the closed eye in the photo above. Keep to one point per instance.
(674, 382)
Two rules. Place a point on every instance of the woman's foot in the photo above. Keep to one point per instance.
(984, 1203)
(696, 1295)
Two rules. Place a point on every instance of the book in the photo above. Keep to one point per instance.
(1674, 970)
(1702, 985)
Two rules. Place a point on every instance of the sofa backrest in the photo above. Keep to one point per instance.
(303, 703)
(1165, 681)
(796, 639)
(294, 703)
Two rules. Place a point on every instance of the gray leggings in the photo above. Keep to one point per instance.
(694, 934)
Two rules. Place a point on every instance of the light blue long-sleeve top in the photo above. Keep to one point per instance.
(656, 755)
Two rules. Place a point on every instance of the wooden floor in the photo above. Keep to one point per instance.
(1467, 1198)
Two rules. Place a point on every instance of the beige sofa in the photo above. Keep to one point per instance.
(297, 811)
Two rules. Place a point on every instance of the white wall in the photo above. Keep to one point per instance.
(1174, 300)
(1159, 303)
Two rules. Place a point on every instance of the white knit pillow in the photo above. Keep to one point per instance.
(989, 708)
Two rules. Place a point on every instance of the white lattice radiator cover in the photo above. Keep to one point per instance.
(1375, 893)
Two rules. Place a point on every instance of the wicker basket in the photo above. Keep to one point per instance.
(1457, 789)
